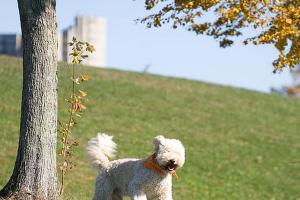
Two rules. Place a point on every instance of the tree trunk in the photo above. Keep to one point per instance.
(34, 174)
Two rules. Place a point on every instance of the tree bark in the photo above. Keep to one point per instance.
(34, 174)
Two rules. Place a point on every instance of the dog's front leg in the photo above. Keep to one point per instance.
(165, 197)
(136, 192)
(139, 197)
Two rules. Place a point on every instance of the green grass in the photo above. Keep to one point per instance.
(239, 144)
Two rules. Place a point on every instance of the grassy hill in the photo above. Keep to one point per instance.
(239, 144)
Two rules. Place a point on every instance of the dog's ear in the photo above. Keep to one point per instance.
(157, 141)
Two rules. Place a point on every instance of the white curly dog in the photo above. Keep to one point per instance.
(141, 179)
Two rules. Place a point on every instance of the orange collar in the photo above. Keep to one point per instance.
(151, 164)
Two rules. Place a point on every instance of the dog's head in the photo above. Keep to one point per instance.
(170, 153)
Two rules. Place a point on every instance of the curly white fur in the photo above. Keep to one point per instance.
(129, 177)
(100, 148)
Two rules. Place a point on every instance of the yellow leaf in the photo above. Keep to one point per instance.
(84, 77)
(82, 93)
(90, 48)
(289, 21)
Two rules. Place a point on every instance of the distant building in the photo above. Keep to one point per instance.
(91, 29)
(11, 44)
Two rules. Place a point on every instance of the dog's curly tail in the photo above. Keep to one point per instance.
(100, 148)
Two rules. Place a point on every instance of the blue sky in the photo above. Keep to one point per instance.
(169, 52)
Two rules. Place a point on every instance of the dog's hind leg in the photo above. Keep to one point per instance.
(104, 189)
(117, 195)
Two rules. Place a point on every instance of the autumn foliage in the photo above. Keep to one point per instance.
(275, 22)
(76, 106)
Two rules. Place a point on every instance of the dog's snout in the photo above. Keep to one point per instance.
(172, 161)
